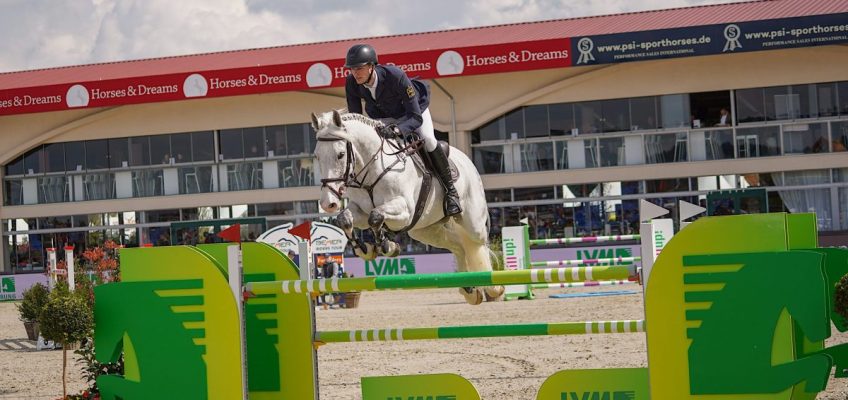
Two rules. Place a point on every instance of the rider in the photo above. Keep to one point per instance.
(389, 93)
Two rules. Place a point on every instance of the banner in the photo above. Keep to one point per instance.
(12, 287)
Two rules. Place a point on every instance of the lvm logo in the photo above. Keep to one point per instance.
(612, 252)
(617, 395)
(390, 266)
(425, 397)
(7, 288)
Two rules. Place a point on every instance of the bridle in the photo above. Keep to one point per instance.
(356, 179)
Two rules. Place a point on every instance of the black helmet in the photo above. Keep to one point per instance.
(359, 55)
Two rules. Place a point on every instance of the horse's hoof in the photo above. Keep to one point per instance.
(389, 248)
(473, 296)
(494, 293)
(369, 254)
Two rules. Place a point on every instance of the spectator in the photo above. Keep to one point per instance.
(724, 117)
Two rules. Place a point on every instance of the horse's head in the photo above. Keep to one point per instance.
(335, 158)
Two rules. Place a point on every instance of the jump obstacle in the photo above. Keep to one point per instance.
(733, 324)
(516, 249)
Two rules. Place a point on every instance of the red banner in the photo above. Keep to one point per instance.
(522, 56)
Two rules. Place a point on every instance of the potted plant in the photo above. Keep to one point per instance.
(65, 319)
(34, 300)
(351, 299)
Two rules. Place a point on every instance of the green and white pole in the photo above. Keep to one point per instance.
(588, 261)
(585, 239)
(447, 280)
(480, 331)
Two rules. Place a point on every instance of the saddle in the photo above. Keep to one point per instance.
(421, 160)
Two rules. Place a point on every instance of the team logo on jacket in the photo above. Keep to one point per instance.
(410, 91)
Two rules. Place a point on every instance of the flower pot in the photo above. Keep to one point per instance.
(351, 299)
(31, 330)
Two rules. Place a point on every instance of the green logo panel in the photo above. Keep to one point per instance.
(7, 285)
(429, 387)
(596, 384)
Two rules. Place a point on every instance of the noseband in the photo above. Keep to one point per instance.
(348, 177)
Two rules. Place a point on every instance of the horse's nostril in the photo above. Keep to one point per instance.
(332, 206)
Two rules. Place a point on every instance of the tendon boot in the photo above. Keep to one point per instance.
(442, 170)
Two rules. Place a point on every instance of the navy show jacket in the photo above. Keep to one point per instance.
(398, 97)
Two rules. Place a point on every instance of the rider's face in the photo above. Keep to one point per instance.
(362, 73)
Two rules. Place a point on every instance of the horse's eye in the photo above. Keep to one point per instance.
(341, 155)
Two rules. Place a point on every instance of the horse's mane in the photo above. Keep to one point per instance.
(327, 118)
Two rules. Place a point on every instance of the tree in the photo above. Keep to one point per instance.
(65, 319)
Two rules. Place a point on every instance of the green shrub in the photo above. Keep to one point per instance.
(841, 297)
(33, 302)
(65, 319)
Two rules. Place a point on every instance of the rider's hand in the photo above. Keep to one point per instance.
(390, 131)
(410, 137)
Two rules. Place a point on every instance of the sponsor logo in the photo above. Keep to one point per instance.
(450, 63)
(424, 397)
(319, 75)
(616, 395)
(7, 288)
(77, 96)
(195, 86)
(390, 266)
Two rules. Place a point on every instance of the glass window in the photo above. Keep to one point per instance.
(498, 195)
(163, 215)
(160, 149)
(839, 132)
(34, 161)
(492, 131)
(96, 154)
(254, 142)
(611, 151)
(780, 103)
(842, 94)
(750, 106)
(536, 121)
(807, 100)
(54, 154)
(275, 140)
(16, 167)
(297, 137)
(534, 193)
(489, 159)
(675, 111)
(589, 115)
(203, 146)
(514, 123)
(561, 118)
(273, 209)
(805, 138)
(643, 113)
(826, 99)
(561, 153)
(181, 147)
(52, 189)
(231, 144)
(140, 151)
(758, 142)
(119, 155)
(718, 144)
(667, 185)
(75, 156)
(665, 148)
(590, 152)
(616, 115)
(14, 192)
(536, 157)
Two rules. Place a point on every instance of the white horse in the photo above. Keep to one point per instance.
(382, 186)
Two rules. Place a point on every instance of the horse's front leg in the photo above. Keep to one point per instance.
(394, 212)
(351, 217)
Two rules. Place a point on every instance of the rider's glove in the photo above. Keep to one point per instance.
(410, 137)
(390, 131)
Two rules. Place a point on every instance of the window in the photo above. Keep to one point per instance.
(589, 115)
(536, 121)
(842, 90)
(119, 155)
(675, 111)
(181, 147)
(34, 161)
(140, 151)
(492, 131)
(758, 142)
(826, 99)
(297, 137)
(805, 138)
(514, 122)
(616, 115)
(54, 154)
(202, 146)
(643, 113)
(254, 142)
(160, 149)
(231, 144)
(750, 106)
(16, 167)
(781, 104)
(561, 119)
(275, 140)
(75, 156)
(96, 154)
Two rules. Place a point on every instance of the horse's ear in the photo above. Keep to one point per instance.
(337, 118)
(315, 125)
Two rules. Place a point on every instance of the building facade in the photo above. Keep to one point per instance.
(570, 122)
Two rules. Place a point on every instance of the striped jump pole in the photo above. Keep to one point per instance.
(481, 331)
(446, 280)
(588, 261)
(585, 239)
(582, 284)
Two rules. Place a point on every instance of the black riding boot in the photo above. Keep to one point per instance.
(442, 170)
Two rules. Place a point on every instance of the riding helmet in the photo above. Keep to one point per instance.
(359, 55)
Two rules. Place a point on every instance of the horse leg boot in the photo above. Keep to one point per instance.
(344, 221)
(386, 247)
(442, 168)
